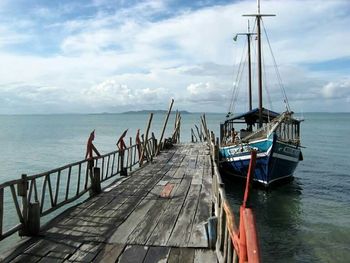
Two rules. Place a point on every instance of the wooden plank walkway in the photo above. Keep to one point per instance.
(155, 215)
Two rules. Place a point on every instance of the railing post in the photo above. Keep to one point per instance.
(1, 208)
(22, 190)
(212, 231)
(154, 148)
(95, 182)
(123, 171)
(33, 227)
(130, 154)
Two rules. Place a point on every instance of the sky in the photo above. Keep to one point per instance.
(92, 56)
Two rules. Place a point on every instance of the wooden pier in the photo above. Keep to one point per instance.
(158, 212)
(172, 208)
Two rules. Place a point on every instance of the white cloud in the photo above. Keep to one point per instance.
(117, 58)
(111, 94)
(336, 90)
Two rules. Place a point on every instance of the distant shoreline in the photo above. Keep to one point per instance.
(142, 112)
(154, 111)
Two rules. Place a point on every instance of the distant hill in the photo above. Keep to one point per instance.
(154, 111)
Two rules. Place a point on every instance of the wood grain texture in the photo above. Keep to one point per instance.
(132, 221)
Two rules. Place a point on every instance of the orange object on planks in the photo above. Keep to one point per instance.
(167, 190)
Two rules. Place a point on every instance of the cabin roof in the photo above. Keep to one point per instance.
(252, 116)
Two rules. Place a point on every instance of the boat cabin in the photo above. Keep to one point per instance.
(244, 127)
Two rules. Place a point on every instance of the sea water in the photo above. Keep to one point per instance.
(307, 220)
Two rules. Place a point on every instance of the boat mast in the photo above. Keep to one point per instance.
(258, 17)
(248, 34)
(249, 71)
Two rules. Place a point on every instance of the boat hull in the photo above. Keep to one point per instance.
(276, 160)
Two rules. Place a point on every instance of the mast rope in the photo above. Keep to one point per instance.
(265, 83)
(237, 81)
(279, 79)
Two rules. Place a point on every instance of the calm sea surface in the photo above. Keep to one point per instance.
(307, 220)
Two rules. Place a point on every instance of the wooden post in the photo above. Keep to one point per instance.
(205, 128)
(165, 123)
(178, 129)
(174, 137)
(95, 182)
(123, 171)
(199, 135)
(33, 226)
(130, 154)
(144, 148)
(212, 231)
(154, 148)
(22, 190)
(1, 209)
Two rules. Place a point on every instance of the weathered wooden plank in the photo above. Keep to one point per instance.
(110, 253)
(144, 229)
(182, 230)
(26, 258)
(162, 182)
(132, 211)
(157, 254)
(50, 258)
(86, 252)
(204, 256)
(133, 254)
(198, 235)
(43, 246)
(124, 230)
(181, 255)
(167, 220)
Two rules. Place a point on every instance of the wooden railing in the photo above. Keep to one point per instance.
(233, 244)
(28, 199)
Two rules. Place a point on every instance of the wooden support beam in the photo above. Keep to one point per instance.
(164, 126)
(144, 148)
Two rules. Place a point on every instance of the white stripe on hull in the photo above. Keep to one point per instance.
(242, 158)
(285, 157)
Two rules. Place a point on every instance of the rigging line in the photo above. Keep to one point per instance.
(239, 81)
(277, 71)
(236, 82)
(254, 59)
(265, 83)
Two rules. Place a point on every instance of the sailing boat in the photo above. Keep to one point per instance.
(275, 136)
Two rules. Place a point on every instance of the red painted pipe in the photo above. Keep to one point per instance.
(251, 236)
(250, 176)
(243, 257)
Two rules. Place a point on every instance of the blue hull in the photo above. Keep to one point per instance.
(275, 160)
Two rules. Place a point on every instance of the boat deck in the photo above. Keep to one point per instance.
(155, 214)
